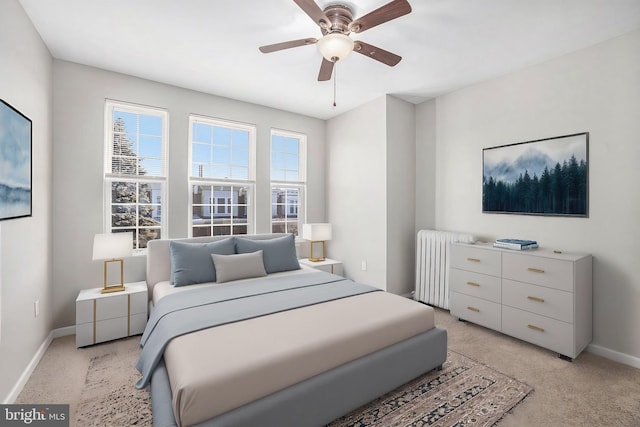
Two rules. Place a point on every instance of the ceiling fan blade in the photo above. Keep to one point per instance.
(312, 9)
(326, 69)
(389, 11)
(286, 45)
(376, 53)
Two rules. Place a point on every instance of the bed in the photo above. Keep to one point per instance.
(283, 346)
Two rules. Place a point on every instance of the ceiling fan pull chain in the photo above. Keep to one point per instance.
(335, 73)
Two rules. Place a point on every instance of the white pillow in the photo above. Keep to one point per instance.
(239, 266)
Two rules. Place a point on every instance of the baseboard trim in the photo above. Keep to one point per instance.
(63, 332)
(22, 381)
(616, 356)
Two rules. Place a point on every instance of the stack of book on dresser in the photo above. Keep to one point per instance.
(515, 244)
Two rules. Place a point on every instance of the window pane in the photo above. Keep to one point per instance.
(221, 155)
(123, 216)
(292, 227)
(150, 167)
(151, 146)
(201, 132)
(292, 145)
(239, 173)
(123, 192)
(146, 234)
(201, 153)
(151, 125)
(277, 142)
(239, 229)
(278, 227)
(222, 136)
(201, 231)
(240, 156)
(291, 162)
(221, 230)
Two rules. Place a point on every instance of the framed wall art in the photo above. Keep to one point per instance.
(15, 163)
(542, 177)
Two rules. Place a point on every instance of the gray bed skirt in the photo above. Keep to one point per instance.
(321, 399)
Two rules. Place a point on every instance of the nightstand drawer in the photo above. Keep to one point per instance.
(138, 303)
(479, 260)
(538, 299)
(476, 310)
(138, 323)
(553, 273)
(543, 331)
(111, 329)
(112, 307)
(475, 284)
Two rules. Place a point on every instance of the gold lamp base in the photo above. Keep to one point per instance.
(118, 287)
(311, 257)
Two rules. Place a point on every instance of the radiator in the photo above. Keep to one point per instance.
(432, 265)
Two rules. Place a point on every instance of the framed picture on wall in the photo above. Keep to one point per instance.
(542, 177)
(15, 163)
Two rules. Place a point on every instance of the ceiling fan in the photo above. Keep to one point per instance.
(336, 23)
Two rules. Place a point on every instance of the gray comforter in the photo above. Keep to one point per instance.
(205, 307)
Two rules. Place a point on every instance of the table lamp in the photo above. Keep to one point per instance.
(316, 233)
(113, 247)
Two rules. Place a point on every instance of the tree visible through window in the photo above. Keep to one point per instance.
(135, 171)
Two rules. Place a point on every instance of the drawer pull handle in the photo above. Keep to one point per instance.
(535, 270)
(473, 309)
(535, 328)
(535, 299)
(473, 259)
(473, 284)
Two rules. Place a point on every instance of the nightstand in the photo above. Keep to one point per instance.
(328, 265)
(104, 317)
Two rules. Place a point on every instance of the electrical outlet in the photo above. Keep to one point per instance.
(36, 308)
(363, 265)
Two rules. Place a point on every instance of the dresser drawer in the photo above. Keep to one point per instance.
(543, 331)
(479, 260)
(553, 273)
(111, 329)
(476, 310)
(475, 284)
(538, 299)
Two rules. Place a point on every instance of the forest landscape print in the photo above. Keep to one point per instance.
(15, 163)
(542, 177)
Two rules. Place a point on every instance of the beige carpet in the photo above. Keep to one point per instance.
(463, 393)
(591, 391)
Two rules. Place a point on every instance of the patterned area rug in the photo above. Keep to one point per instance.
(463, 393)
(109, 397)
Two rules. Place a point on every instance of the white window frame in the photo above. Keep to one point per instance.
(110, 177)
(300, 184)
(249, 183)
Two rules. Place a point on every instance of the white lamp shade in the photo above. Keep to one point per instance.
(112, 245)
(316, 232)
(335, 45)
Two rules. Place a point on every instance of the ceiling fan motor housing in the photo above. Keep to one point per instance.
(340, 18)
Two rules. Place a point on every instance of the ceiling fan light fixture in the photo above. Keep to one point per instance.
(335, 46)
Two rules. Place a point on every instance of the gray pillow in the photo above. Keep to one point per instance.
(239, 266)
(191, 262)
(279, 254)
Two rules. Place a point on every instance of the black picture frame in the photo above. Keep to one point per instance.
(16, 163)
(547, 177)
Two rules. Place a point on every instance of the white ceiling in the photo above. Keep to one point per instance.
(212, 45)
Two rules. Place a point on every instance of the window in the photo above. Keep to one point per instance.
(288, 181)
(222, 177)
(135, 171)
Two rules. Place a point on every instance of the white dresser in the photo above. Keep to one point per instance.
(536, 295)
(104, 317)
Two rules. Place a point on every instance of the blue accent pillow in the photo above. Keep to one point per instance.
(278, 254)
(191, 262)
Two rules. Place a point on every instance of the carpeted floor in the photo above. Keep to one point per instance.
(591, 391)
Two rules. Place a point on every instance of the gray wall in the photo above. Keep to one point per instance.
(79, 96)
(596, 90)
(25, 244)
(371, 187)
